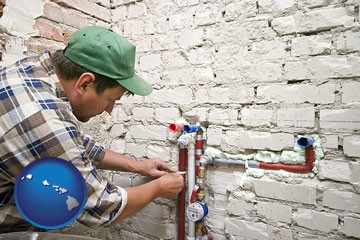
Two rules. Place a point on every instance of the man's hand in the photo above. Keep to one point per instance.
(155, 167)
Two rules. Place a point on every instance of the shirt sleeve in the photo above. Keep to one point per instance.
(105, 200)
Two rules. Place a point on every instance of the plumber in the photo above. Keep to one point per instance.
(42, 100)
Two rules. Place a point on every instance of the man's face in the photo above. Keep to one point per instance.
(92, 103)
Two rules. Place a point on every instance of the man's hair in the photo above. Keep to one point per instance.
(67, 69)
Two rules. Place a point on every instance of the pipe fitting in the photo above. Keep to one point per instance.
(190, 128)
(204, 160)
(305, 142)
(176, 127)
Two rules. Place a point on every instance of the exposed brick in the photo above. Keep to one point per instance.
(312, 21)
(297, 93)
(352, 145)
(335, 170)
(348, 42)
(167, 115)
(65, 16)
(89, 8)
(143, 113)
(311, 45)
(222, 116)
(259, 140)
(322, 68)
(350, 92)
(351, 227)
(341, 200)
(247, 229)
(48, 30)
(340, 119)
(275, 212)
(256, 117)
(147, 132)
(288, 192)
(296, 117)
(322, 221)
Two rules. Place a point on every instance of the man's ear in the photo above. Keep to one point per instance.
(84, 81)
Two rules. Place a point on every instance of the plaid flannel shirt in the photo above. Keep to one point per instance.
(36, 121)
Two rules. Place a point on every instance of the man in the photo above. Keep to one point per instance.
(41, 100)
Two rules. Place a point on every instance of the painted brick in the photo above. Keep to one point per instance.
(150, 62)
(200, 112)
(147, 132)
(340, 119)
(137, 10)
(201, 56)
(207, 14)
(355, 172)
(181, 20)
(316, 20)
(18, 17)
(273, 49)
(247, 229)
(297, 93)
(190, 38)
(275, 212)
(351, 227)
(322, 221)
(348, 42)
(133, 27)
(264, 72)
(288, 192)
(118, 145)
(323, 67)
(181, 76)
(143, 113)
(174, 60)
(149, 227)
(296, 117)
(330, 141)
(137, 150)
(239, 207)
(256, 117)
(335, 170)
(352, 146)
(119, 115)
(120, 14)
(117, 130)
(89, 8)
(244, 9)
(225, 95)
(158, 151)
(350, 92)
(221, 116)
(179, 95)
(275, 5)
(341, 200)
(311, 45)
(167, 115)
(214, 136)
(259, 140)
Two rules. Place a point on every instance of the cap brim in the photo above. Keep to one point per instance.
(137, 85)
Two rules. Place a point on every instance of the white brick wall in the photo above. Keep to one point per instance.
(261, 72)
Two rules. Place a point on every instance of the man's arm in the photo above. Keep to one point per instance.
(167, 186)
(154, 167)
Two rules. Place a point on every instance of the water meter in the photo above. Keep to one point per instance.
(196, 211)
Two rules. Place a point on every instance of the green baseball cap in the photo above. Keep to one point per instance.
(105, 52)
